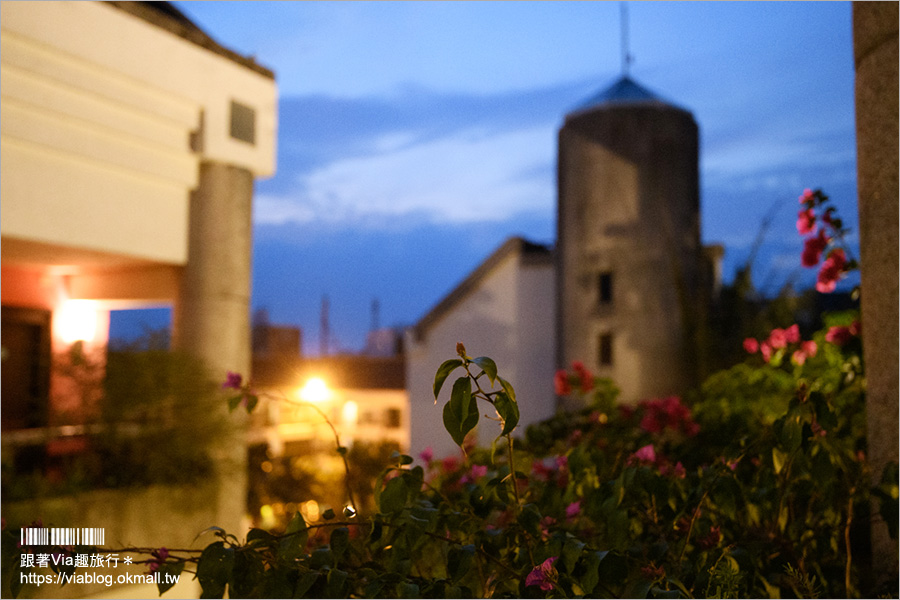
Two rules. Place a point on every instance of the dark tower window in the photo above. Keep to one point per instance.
(605, 349)
(604, 288)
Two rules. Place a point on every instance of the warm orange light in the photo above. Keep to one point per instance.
(315, 390)
(350, 413)
(76, 321)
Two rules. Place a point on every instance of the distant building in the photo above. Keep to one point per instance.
(629, 258)
(625, 291)
(504, 309)
(365, 399)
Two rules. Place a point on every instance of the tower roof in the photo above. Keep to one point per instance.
(624, 92)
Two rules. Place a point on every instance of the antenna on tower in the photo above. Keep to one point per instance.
(627, 58)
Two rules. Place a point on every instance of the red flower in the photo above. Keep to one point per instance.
(751, 345)
(450, 464)
(806, 221)
(766, 350)
(561, 383)
(807, 197)
(839, 335)
(587, 380)
(711, 540)
(832, 270)
(813, 248)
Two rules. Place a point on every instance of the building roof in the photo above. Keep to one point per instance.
(624, 92)
(529, 253)
(166, 16)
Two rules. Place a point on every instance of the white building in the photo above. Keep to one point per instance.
(505, 310)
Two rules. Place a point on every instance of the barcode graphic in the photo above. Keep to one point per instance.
(63, 536)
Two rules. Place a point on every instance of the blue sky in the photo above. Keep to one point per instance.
(414, 137)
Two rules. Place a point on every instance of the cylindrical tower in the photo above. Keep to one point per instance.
(628, 235)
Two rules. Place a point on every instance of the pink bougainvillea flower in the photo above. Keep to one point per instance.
(798, 357)
(818, 429)
(751, 345)
(839, 335)
(478, 471)
(806, 221)
(573, 510)
(543, 575)
(813, 248)
(792, 334)
(778, 338)
(546, 524)
(832, 270)
(809, 348)
(645, 455)
(232, 381)
(561, 383)
(766, 351)
(807, 196)
(426, 455)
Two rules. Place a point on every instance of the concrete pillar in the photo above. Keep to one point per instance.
(876, 59)
(211, 320)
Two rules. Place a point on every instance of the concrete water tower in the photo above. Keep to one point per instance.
(629, 258)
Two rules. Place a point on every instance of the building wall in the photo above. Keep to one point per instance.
(508, 317)
(105, 120)
(629, 206)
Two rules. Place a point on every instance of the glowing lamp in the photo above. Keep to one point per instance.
(315, 390)
(77, 321)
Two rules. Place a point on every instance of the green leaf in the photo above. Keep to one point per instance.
(393, 496)
(252, 401)
(234, 401)
(443, 371)
(508, 388)
(340, 541)
(337, 579)
(591, 576)
(571, 552)
(293, 546)
(508, 410)
(304, 583)
(791, 432)
(778, 459)
(461, 412)
(488, 366)
(459, 561)
(328, 514)
(214, 569)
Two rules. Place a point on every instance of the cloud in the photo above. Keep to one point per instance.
(439, 156)
(470, 176)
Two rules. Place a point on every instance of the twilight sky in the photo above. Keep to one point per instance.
(415, 137)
